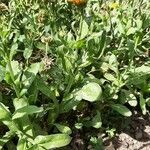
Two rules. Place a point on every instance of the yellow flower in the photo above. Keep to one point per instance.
(114, 5)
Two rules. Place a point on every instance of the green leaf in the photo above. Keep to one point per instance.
(19, 103)
(52, 115)
(70, 37)
(109, 77)
(66, 106)
(113, 63)
(104, 67)
(71, 101)
(91, 92)
(53, 141)
(13, 50)
(97, 143)
(33, 92)
(139, 24)
(96, 121)
(148, 101)
(21, 38)
(40, 45)
(127, 96)
(78, 44)
(15, 68)
(68, 66)
(21, 144)
(143, 69)
(131, 31)
(7, 78)
(143, 105)
(27, 53)
(78, 125)
(4, 112)
(102, 44)
(133, 100)
(29, 76)
(27, 110)
(113, 60)
(45, 89)
(63, 128)
(84, 29)
(120, 28)
(122, 110)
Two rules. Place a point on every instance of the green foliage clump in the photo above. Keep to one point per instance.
(65, 67)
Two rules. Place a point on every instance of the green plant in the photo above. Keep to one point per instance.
(58, 59)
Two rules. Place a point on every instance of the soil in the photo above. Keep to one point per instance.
(136, 136)
(132, 133)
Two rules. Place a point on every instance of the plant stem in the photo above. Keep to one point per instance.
(13, 79)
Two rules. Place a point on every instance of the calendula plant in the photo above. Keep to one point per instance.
(66, 65)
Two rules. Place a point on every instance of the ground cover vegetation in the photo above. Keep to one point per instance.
(70, 67)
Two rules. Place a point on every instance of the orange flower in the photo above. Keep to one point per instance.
(78, 2)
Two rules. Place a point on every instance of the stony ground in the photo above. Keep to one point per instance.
(135, 137)
(132, 133)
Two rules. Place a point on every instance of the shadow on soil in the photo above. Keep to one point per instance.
(135, 131)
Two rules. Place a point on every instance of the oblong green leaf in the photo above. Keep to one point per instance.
(63, 128)
(53, 141)
(4, 112)
(27, 110)
(122, 110)
(109, 77)
(84, 29)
